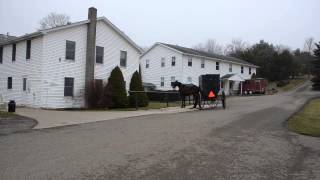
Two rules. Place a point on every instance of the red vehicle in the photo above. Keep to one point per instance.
(254, 86)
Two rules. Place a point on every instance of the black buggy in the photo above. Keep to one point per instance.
(211, 96)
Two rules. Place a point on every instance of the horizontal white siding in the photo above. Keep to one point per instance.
(113, 43)
(154, 73)
(56, 68)
(19, 69)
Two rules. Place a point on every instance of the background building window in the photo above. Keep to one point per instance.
(9, 82)
(99, 54)
(190, 62)
(68, 86)
(147, 63)
(230, 67)
(1, 54)
(173, 61)
(162, 82)
(163, 62)
(13, 52)
(249, 70)
(28, 51)
(173, 78)
(123, 58)
(24, 84)
(189, 79)
(202, 63)
(241, 69)
(217, 65)
(70, 50)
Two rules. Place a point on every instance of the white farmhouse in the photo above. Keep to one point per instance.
(165, 63)
(51, 68)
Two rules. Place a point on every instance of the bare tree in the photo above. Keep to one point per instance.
(236, 45)
(280, 48)
(210, 46)
(54, 20)
(309, 44)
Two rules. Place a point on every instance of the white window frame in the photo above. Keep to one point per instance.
(202, 63)
(173, 61)
(190, 62)
(173, 78)
(162, 81)
(147, 63)
(230, 67)
(189, 79)
(163, 62)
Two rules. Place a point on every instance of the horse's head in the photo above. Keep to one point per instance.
(175, 84)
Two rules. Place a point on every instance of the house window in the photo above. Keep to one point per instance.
(163, 62)
(241, 69)
(230, 67)
(9, 82)
(202, 63)
(190, 62)
(24, 84)
(217, 66)
(70, 50)
(162, 82)
(99, 54)
(28, 51)
(173, 78)
(13, 52)
(173, 61)
(123, 58)
(189, 79)
(1, 54)
(249, 70)
(147, 63)
(68, 86)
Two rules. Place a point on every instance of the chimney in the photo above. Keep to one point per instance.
(90, 51)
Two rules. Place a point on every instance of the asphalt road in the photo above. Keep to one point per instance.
(248, 140)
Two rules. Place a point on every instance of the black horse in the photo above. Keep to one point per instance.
(187, 90)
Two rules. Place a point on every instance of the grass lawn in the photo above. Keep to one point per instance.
(308, 120)
(152, 105)
(293, 84)
(6, 114)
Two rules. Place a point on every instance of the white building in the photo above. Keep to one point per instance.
(165, 63)
(49, 68)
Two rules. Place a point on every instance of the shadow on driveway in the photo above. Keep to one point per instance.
(9, 125)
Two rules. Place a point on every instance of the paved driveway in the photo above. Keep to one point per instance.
(246, 141)
(57, 118)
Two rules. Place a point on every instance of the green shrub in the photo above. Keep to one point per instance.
(136, 85)
(118, 89)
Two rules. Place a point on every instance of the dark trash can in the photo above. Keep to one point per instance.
(12, 106)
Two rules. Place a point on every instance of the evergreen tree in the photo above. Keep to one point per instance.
(119, 94)
(316, 68)
(136, 85)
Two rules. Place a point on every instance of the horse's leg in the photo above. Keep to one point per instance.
(182, 97)
(184, 102)
(195, 101)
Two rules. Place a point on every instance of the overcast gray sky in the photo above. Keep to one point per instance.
(183, 22)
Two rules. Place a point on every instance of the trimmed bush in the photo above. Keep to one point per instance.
(118, 91)
(136, 85)
(95, 94)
